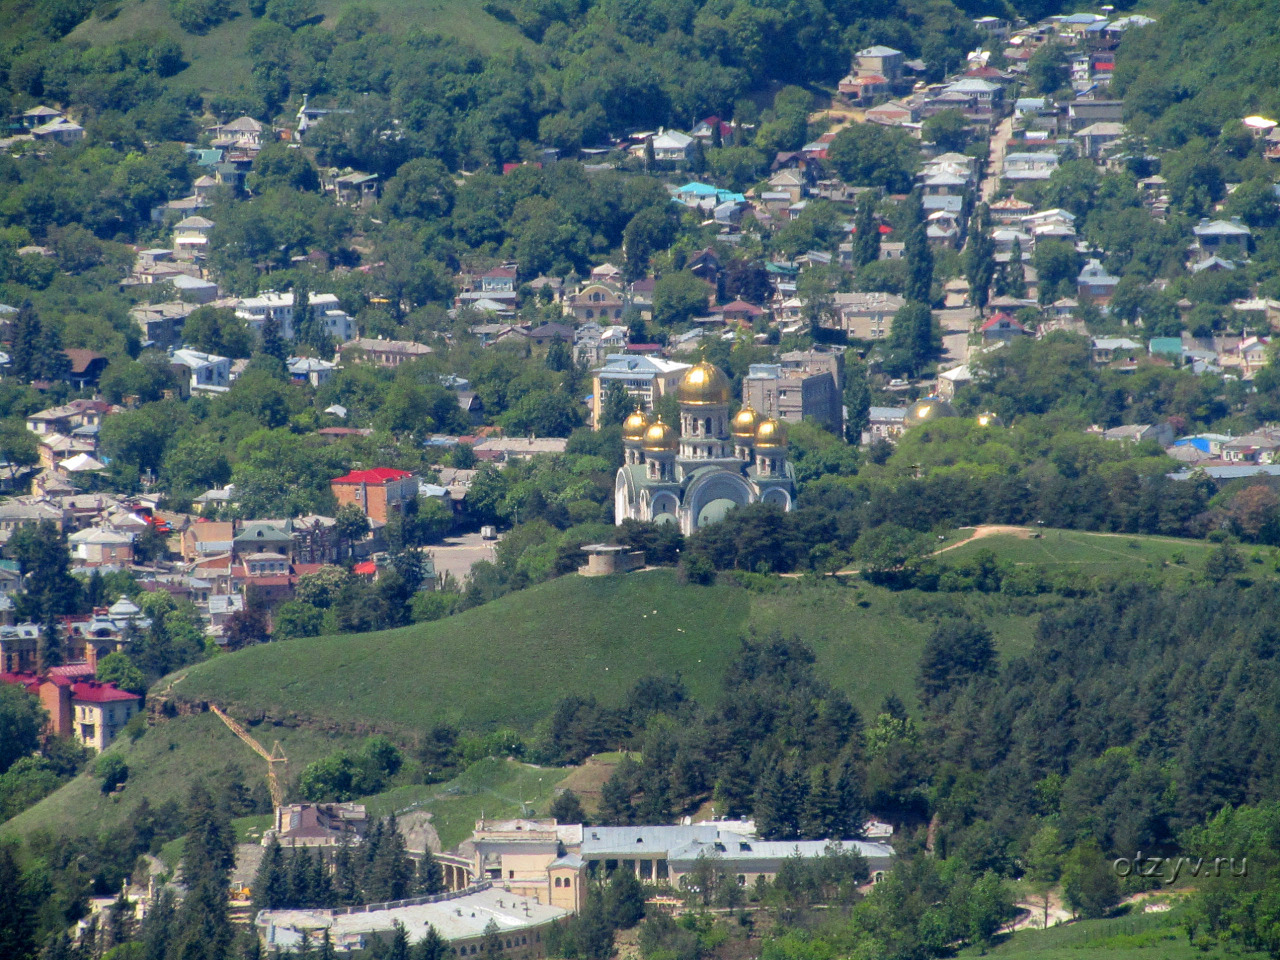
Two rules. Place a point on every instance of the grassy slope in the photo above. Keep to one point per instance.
(1139, 937)
(1092, 553)
(509, 662)
(218, 63)
(162, 766)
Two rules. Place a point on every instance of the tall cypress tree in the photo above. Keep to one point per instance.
(400, 943)
(430, 876)
(866, 241)
(820, 819)
(346, 879)
(300, 893)
(980, 257)
(852, 803)
(25, 344)
(273, 344)
(51, 362)
(918, 255)
(271, 883)
(777, 809)
(432, 946)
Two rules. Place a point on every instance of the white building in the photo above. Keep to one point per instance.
(209, 373)
(255, 311)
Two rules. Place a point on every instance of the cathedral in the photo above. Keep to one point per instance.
(712, 465)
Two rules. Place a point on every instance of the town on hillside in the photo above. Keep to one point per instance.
(801, 437)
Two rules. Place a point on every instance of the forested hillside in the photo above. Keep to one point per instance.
(1201, 66)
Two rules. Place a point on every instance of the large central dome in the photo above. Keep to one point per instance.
(704, 385)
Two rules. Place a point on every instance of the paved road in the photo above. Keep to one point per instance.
(457, 554)
(956, 324)
(999, 141)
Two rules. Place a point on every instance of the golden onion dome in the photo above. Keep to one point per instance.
(634, 426)
(704, 385)
(771, 434)
(989, 419)
(744, 423)
(659, 437)
(926, 411)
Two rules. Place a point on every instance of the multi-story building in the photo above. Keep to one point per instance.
(804, 384)
(646, 379)
(380, 493)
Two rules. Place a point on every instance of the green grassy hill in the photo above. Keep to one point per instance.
(219, 64)
(1095, 554)
(509, 662)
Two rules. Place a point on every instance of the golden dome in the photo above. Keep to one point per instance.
(745, 422)
(704, 385)
(926, 411)
(989, 419)
(634, 426)
(659, 437)
(771, 433)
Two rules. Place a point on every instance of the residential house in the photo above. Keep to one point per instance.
(101, 546)
(161, 323)
(1083, 113)
(356, 189)
(645, 379)
(502, 449)
(950, 381)
(191, 236)
(69, 418)
(1010, 211)
(707, 129)
(91, 712)
(1094, 285)
(671, 146)
(310, 370)
(1002, 327)
(1108, 349)
(207, 538)
(881, 61)
(1095, 138)
(61, 131)
(1227, 239)
(1162, 433)
(384, 353)
(380, 493)
(1029, 166)
(547, 333)
(865, 316)
(320, 824)
(893, 113)
(87, 367)
(499, 280)
(596, 301)
(18, 644)
(208, 373)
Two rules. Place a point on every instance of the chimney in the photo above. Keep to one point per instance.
(91, 655)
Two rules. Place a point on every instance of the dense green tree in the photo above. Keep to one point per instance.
(679, 297)
(117, 668)
(430, 877)
(21, 722)
(870, 155)
(957, 652)
(567, 808)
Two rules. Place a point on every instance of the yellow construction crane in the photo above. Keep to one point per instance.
(276, 756)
